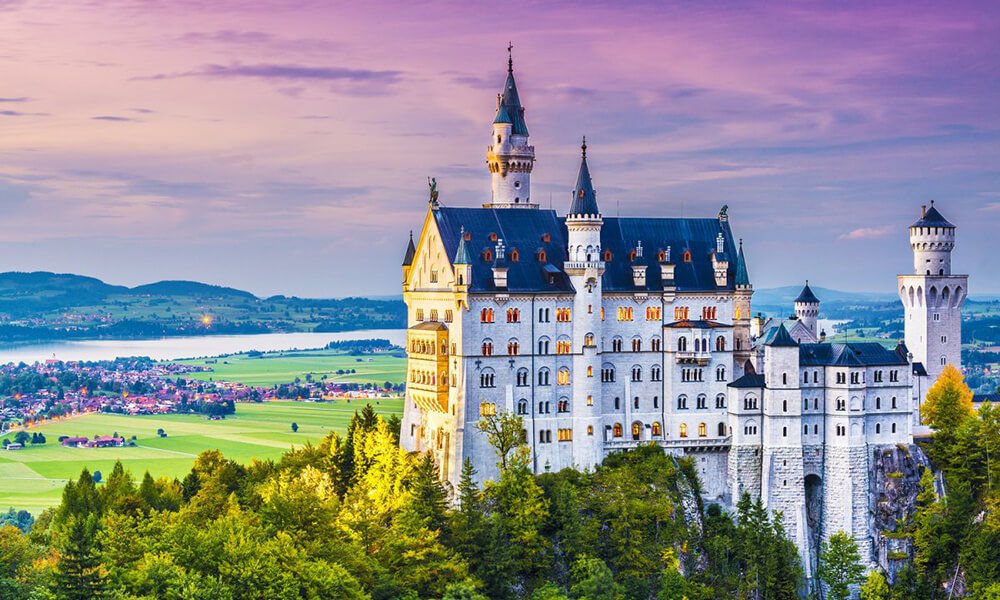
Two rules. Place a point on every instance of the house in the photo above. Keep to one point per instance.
(14, 446)
(107, 441)
(72, 442)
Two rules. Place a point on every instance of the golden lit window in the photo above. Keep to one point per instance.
(590, 400)
(657, 431)
(684, 430)
(590, 430)
(565, 435)
(702, 430)
(563, 377)
(590, 371)
(487, 409)
(617, 430)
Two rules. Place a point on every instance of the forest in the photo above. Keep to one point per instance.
(357, 517)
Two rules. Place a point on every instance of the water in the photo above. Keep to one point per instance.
(185, 347)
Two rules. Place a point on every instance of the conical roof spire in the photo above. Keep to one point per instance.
(781, 339)
(742, 276)
(510, 100)
(584, 197)
(807, 296)
(411, 251)
(462, 254)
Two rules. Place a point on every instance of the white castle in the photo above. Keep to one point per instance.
(604, 333)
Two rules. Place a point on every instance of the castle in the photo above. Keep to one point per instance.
(603, 333)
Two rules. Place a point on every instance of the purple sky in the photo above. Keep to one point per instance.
(283, 147)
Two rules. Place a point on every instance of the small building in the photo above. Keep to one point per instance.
(107, 441)
(73, 442)
(14, 446)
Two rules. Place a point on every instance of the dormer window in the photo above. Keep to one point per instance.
(487, 255)
(631, 256)
(542, 257)
(493, 236)
(687, 256)
(607, 256)
(515, 255)
(661, 256)
(546, 238)
(468, 235)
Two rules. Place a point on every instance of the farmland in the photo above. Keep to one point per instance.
(33, 478)
(274, 368)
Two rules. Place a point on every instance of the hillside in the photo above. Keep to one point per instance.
(49, 306)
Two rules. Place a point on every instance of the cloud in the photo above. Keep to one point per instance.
(16, 113)
(286, 72)
(144, 111)
(112, 118)
(18, 99)
(866, 233)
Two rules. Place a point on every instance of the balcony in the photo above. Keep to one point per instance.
(693, 358)
(685, 444)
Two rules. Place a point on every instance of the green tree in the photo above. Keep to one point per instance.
(295, 427)
(593, 580)
(22, 437)
(505, 432)
(875, 587)
(79, 572)
(840, 565)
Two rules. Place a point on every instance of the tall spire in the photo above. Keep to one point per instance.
(510, 158)
(462, 253)
(510, 57)
(742, 276)
(584, 197)
(410, 252)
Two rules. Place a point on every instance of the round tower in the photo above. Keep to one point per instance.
(807, 308)
(509, 158)
(932, 239)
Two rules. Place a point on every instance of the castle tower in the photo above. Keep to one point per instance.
(807, 309)
(782, 476)
(509, 157)
(741, 313)
(932, 297)
(585, 269)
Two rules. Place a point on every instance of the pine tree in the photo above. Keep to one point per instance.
(79, 574)
(429, 498)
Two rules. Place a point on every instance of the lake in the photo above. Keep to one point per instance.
(185, 347)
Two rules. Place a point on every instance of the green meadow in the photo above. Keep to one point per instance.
(284, 367)
(33, 478)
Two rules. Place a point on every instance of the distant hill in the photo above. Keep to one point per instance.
(190, 288)
(785, 296)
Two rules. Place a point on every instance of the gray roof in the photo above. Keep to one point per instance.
(527, 230)
(750, 380)
(584, 197)
(932, 218)
(855, 354)
(462, 254)
(511, 102)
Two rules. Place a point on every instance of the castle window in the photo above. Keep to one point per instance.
(944, 361)
(563, 376)
(420, 314)
(893, 376)
(543, 408)
(720, 343)
(434, 276)
(784, 379)
(878, 403)
(687, 256)
(565, 435)
(815, 376)
(590, 430)
(624, 313)
(546, 238)
(749, 403)
(487, 255)
(542, 256)
(487, 348)
(722, 430)
(637, 373)
(487, 379)
(543, 346)
(893, 428)
(563, 405)
(522, 378)
(657, 430)
(653, 313)
(493, 236)
(684, 430)
(522, 407)
(636, 344)
(618, 403)
(656, 402)
(543, 376)
(607, 374)
(487, 409)
(720, 373)
(590, 400)
(563, 315)
(515, 255)
(841, 404)
(513, 315)
(878, 428)
(682, 402)
(893, 401)
(708, 313)
(616, 344)
(486, 315)
(448, 315)
(655, 374)
(944, 339)
(635, 403)
(702, 401)
(513, 348)
(468, 235)
(590, 371)
(588, 340)
(655, 344)
(607, 258)
(815, 429)
(702, 430)
(680, 313)
(784, 406)
(617, 430)
(682, 344)
(563, 347)
(805, 430)
(720, 401)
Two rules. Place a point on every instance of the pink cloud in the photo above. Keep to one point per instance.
(865, 233)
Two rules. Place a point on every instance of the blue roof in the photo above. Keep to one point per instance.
(742, 276)
(932, 218)
(851, 355)
(410, 252)
(584, 197)
(750, 380)
(781, 338)
(525, 231)
(502, 115)
(510, 101)
(462, 254)
(807, 295)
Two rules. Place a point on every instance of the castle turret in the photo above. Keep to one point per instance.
(807, 309)
(411, 251)
(585, 270)
(509, 157)
(741, 312)
(932, 297)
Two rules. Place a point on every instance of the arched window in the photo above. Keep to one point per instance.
(637, 373)
(682, 344)
(720, 401)
(878, 428)
(720, 373)
(702, 401)
(893, 402)
(878, 403)
(656, 344)
(841, 404)
(784, 379)
(616, 344)
(543, 376)
(487, 347)
(513, 348)
(657, 430)
(655, 373)
(720, 344)
(636, 431)
(656, 402)
(636, 344)
(607, 373)
(722, 429)
(522, 407)
(618, 403)
(682, 402)
(635, 403)
(749, 402)
(617, 430)
(563, 405)
(563, 376)
(702, 430)
(522, 377)
(784, 406)
(487, 378)
(543, 345)
(684, 430)
(588, 340)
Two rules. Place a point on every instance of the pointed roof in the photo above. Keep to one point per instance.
(462, 254)
(807, 296)
(742, 276)
(502, 116)
(584, 197)
(781, 339)
(511, 102)
(932, 218)
(411, 250)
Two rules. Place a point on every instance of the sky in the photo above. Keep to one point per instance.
(284, 147)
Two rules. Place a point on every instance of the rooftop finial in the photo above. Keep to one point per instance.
(741, 243)
(584, 146)
(411, 235)
(510, 57)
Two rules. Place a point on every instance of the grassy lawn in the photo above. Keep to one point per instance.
(33, 478)
(283, 367)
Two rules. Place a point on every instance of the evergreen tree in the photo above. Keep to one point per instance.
(79, 573)
(429, 495)
(840, 565)
(593, 580)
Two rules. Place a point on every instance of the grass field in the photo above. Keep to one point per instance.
(283, 367)
(33, 478)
